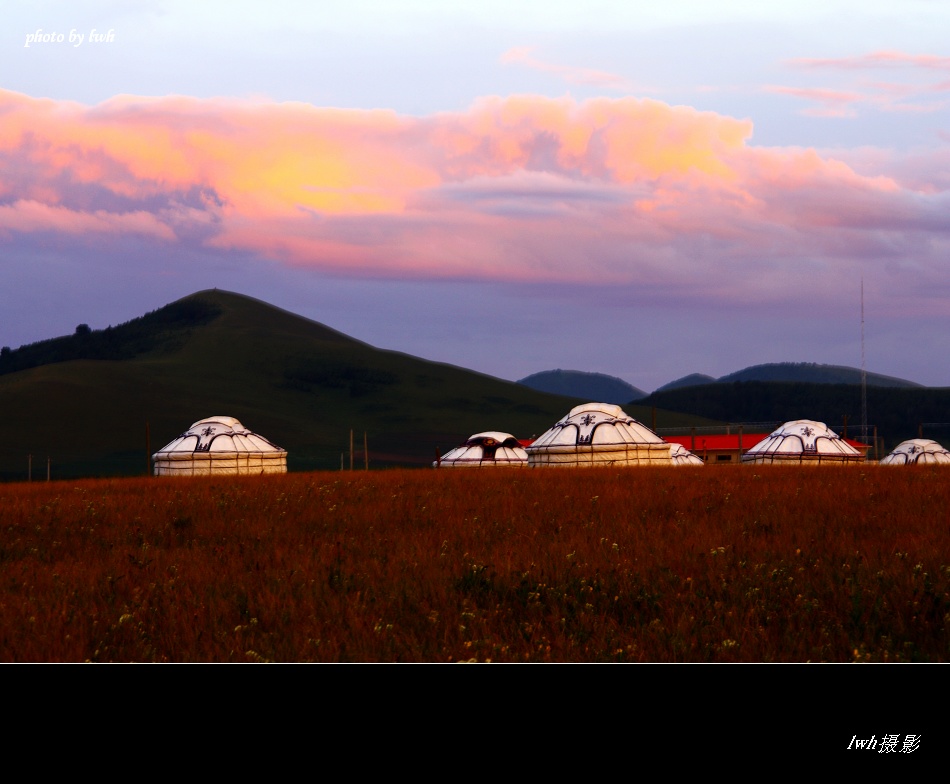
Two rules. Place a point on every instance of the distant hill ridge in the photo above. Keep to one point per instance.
(589, 386)
(794, 372)
(692, 380)
(610, 389)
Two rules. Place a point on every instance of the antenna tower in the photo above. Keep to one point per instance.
(864, 376)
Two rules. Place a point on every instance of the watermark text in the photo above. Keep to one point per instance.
(887, 744)
(74, 37)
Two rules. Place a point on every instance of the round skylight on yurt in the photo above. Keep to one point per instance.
(917, 451)
(598, 434)
(486, 450)
(803, 441)
(219, 445)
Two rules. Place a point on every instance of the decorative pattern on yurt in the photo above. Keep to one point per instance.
(219, 445)
(803, 441)
(598, 434)
(917, 450)
(486, 450)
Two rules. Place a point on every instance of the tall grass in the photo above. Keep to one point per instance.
(650, 564)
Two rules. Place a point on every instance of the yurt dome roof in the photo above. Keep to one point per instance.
(803, 439)
(917, 450)
(491, 448)
(680, 455)
(598, 434)
(596, 423)
(219, 446)
(219, 434)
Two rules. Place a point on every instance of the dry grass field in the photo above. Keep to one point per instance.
(731, 564)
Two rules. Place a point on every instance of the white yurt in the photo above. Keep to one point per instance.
(484, 450)
(917, 450)
(598, 434)
(805, 442)
(219, 445)
(681, 456)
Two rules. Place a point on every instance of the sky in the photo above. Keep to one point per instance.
(639, 189)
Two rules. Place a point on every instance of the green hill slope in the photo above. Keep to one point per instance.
(86, 401)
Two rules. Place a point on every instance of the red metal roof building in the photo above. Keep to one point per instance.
(729, 448)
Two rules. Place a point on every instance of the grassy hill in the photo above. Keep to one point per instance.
(597, 387)
(86, 400)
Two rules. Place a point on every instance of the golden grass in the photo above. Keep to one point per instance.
(652, 564)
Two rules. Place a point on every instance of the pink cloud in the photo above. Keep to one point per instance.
(875, 60)
(522, 55)
(885, 96)
(914, 108)
(834, 103)
(517, 188)
(31, 216)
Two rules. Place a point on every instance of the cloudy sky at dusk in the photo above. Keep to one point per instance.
(640, 189)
